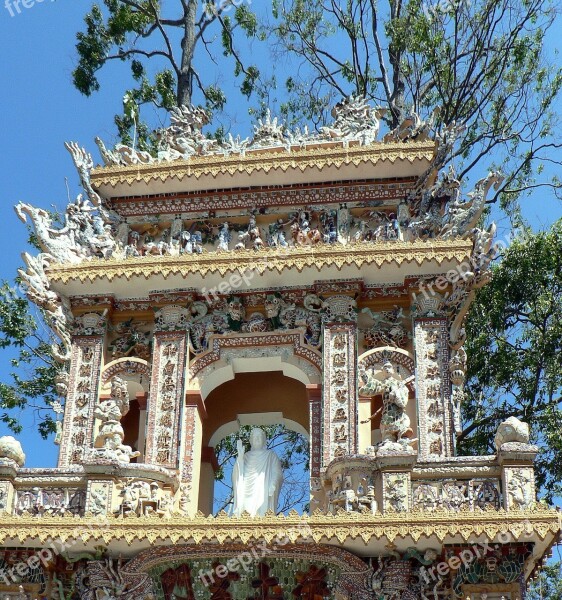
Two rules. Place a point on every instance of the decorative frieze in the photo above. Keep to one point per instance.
(90, 324)
(50, 501)
(457, 494)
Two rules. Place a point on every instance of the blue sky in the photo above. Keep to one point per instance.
(40, 110)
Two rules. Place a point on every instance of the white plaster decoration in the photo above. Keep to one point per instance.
(396, 433)
(396, 492)
(339, 309)
(464, 216)
(90, 324)
(11, 450)
(39, 501)
(84, 380)
(143, 498)
(57, 310)
(457, 371)
(166, 398)
(456, 494)
(108, 444)
(433, 388)
(339, 391)
(172, 318)
(389, 328)
(512, 430)
(5, 497)
(519, 486)
(99, 497)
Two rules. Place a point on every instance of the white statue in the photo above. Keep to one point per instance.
(395, 423)
(512, 430)
(256, 478)
(10, 449)
(109, 440)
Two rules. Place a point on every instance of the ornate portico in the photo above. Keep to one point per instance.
(319, 283)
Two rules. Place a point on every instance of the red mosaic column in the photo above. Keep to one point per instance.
(339, 398)
(83, 389)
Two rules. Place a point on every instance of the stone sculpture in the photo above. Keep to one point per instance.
(10, 449)
(109, 440)
(256, 478)
(512, 430)
(395, 423)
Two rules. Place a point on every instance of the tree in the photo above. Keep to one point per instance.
(479, 63)
(175, 38)
(514, 347)
(548, 586)
(34, 375)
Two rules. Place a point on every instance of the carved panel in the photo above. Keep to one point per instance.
(456, 494)
(433, 387)
(519, 486)
(396, 492)
(98, 498)
(166, 398)
(339, 397)
(85, 368)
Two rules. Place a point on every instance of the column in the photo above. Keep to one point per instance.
(433, 387)
(339, 390)
(165, 405)
(83, 388)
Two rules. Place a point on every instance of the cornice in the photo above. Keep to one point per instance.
(268, 259)
(215, 165)
(538, 522)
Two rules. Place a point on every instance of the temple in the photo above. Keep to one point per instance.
(315, 281)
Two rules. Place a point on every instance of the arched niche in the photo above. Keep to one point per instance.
(345, 573)
(257, 419)
(136, 373)
(255, 353)
(404, 367)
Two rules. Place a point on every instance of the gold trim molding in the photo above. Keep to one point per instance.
(268, 259)
(266, 161)
(521, 525)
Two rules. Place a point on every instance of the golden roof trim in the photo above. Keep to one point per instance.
(264, 160)
(267, 259)
(521, 525)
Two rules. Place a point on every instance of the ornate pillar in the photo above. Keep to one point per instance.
(83, 388)
(165, 405)
(433, 384)
(339, 397)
